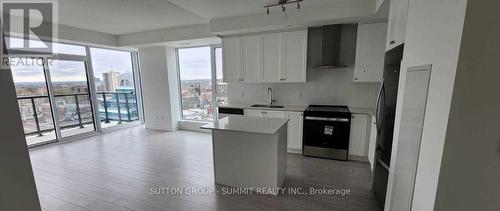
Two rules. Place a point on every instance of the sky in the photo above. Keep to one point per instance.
(103, 60)
(194, 63)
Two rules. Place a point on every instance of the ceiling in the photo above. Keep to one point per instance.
(124, 16)
(119, 17)
(213, 9)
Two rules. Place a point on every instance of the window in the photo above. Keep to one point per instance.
(200, 75)
(58, 100)
(221, 86)
(115, 85)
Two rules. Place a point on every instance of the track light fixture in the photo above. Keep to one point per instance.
(282, 3)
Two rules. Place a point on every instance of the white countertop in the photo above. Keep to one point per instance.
(360, 110)
(297, 108)
(247, 124)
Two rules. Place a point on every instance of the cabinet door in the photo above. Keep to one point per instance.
(274, 114)
(251, 58)
(272, 54)
(295, 126)
(231, 51)
(392, 31)
(358, 143)
(254, 113)
(370, 52)
(402, 19)
(294, 51)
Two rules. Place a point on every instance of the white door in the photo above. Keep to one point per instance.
(295, 125)
(232, 59)
(410, 134)
(251, 58)
(272, 56)
(295, 51)
(358, 143)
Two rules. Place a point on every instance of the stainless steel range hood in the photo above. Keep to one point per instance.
(331, 37)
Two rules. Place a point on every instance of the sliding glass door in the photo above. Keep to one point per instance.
(80, 91)
(71, 94)
(34, 103)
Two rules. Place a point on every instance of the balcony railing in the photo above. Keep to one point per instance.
(119, 101)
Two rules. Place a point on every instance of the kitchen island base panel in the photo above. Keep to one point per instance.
(249, 160)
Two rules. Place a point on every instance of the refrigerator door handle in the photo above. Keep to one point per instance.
(383, 164)
(377, 120)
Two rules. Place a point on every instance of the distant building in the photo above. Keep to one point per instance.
(126, 80)
(111, 80)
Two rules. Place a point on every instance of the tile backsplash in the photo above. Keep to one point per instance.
(328, 86)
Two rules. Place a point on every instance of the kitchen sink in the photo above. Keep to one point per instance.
(266, 106)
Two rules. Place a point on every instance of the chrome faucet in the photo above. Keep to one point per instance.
(270, 93)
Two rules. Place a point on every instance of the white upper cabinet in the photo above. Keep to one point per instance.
(398, 14)
(295, 56)
(251, 56)
(370, 52)
(270, 57)
(231, 51)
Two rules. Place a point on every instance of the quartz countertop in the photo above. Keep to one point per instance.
(297, 108)
(361, 110)
(247, 124)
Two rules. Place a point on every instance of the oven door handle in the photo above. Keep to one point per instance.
(327, 119)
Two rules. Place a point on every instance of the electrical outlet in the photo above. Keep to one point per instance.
(300, 95)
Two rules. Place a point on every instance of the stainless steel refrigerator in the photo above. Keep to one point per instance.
(385, 115)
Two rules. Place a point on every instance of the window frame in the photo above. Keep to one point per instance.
(213, 70)
(92, 89)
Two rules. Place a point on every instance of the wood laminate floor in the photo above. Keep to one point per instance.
(116, 171)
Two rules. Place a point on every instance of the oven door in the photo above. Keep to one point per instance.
(327, 132)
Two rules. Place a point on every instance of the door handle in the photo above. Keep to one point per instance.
(326, 119)
(378, 101)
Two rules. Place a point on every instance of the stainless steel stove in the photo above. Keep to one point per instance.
(327, 131)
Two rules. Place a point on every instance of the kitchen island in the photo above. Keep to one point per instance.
(249, 152)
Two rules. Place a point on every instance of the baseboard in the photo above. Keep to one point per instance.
(358, 158)
(294, 151)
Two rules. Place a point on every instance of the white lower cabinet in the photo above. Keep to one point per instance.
(358, 143)
(295, 125)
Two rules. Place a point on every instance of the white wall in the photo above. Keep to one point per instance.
(470, 170)
(18, 191)
(165, 35)
(82, 36)
(159, 87)
(329, 87)
(433, 37)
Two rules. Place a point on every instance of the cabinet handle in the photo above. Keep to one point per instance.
(392, 42)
